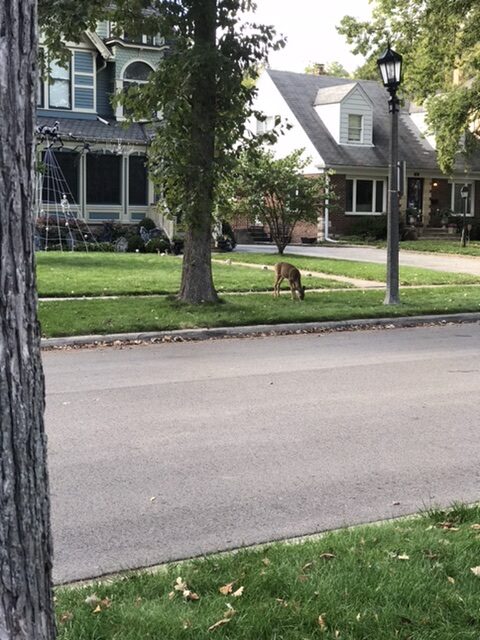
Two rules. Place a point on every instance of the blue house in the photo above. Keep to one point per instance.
(103, 159)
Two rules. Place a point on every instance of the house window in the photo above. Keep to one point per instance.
(457, 202)
(60, 90)
(104, 179)
(365, 196)
(62, 177)
(137, 181)
(355, 128)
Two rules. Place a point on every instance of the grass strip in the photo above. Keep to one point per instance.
(94, 274)
(363, 270)
(81, 317)
(442, 246)
(406, 579)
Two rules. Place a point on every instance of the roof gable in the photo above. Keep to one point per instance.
(338, 93)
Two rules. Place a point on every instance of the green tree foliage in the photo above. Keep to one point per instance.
(276, 192)
(199, 91)
(440, 42)
(335, 69)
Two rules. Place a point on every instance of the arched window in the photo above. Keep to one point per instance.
(136, 73)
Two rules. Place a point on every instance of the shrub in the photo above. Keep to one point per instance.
(135, 243)
(177, 245)
(158, 245)
(370, 227)
(228, 231)
(147, 223)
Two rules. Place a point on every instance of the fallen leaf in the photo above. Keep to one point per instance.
(97, 609)
(238, 592)
(92, 600)
(322, 623)
(281, 601)
(266, 561)
(327, 556)
(190, 595)
(66, 616)
(180, 585)
(230, 612)
(218, 624)
(403, 557)
(106, 602)
(337, 633)
(451, 580)
(186, 624)
(475, 571)
(153, 498)
(307, 566)
(449, 526)
(227, 588)
(358, 617)
(171, 595)
(138, 601)
(302, 578)
(475, 527)
(430, 555)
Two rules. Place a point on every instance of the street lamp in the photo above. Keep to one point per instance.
(390, 67)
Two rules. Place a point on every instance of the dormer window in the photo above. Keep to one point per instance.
(355, 128)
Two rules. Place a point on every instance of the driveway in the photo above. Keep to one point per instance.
(168, 451)
(444, 262)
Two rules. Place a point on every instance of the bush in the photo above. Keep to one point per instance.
(135, 244)
(147, 223)
(228, 231)
(158, 245)
(177, 245)
(370, 227)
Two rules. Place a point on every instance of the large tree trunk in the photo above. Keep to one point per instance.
(197, 283)
(26, 603)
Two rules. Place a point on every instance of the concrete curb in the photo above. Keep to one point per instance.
(182, 335)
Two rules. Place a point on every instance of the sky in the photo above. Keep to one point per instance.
(309, 26)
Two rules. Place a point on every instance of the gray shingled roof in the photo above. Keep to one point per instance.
(333, 95)
(91, 130)
(300, 91)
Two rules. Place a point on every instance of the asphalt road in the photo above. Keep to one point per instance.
(439, 262)
(167, 451)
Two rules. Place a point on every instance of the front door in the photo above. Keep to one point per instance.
(414, 200)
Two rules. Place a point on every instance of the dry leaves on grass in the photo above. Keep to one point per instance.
(227, 588)
(65, 617)
(448, 526)
(266, 561)
(322, 622)
(227, 616)
(238, 592)
(182, 587)
(475, 527)
(327, 556)
(475, 571)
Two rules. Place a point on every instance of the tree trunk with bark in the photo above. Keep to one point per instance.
(197, 282)
(26, 602)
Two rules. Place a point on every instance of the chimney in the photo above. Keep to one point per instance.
(319, 69)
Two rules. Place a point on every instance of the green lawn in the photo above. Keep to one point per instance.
(90, 274)
(442, 246)
(407, 579)
(63, 318)
(363, 270)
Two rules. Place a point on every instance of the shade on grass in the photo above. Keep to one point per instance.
(82, 274)
(406, 579)
(63, 318)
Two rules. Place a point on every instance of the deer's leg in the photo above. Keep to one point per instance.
(293, 290)
(276, 288)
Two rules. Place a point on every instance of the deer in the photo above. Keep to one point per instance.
(284, 270)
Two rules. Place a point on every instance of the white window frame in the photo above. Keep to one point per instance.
(460, 183)
(45, 82)
(84, 86)
(120, 83)
(350, 140)
(49, 84)
(375, 180)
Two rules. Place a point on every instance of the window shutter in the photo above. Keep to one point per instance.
(84, 80)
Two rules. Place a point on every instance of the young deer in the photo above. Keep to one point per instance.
(284, 270)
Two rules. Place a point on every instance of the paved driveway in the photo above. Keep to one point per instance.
(444, 262)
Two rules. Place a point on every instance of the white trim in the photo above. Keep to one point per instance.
(120, 80)
(471, 184)
(375, 180)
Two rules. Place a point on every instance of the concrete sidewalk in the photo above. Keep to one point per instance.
(439, 262)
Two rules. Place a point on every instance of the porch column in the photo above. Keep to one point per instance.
(426, 202)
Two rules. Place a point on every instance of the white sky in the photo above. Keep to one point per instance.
(309, 26)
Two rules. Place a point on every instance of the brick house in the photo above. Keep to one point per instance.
(102, 161)
(344, 125)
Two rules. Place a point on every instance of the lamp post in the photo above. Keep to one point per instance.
(390, 66)
(464, 193)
